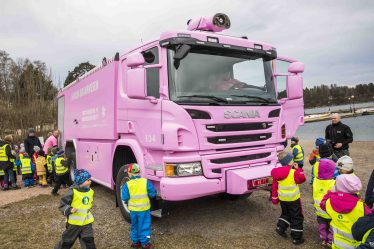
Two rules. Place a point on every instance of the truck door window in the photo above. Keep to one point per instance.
(151, 57)
(281, 68)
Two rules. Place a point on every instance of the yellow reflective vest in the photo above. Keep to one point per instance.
(315, 170)
(2, 172)
(366, 235)
(139, 200)
(13, 161)
(3, 155)
(300, 155)
(26, 166)
(49, 163)
(320, 188)
(288, 190)
(82, 201)
(342, 224)
(60, 169)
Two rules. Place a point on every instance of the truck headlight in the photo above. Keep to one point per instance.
(183, 169)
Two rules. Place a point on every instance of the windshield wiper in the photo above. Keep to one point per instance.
(217, 99)
(255, 97)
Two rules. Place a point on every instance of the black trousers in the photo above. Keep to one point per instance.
(72, 233)
(61, 179)
(292, 216)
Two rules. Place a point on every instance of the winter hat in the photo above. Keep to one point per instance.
(345, 162)
(31, 130)
(348, 183)
(326, 169)
(325, 150)
(36, 148)
(81, 175)
(285, 161)
(133, 168)
(319, 141)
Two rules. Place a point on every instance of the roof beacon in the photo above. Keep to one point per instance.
(217, 23)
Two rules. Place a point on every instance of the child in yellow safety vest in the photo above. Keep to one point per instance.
(326, 153)
(62, 171)
(324, 181)
(137, 193)
(285, 189)
(345, 208)
(76, 206)
(297, 152)
(363, 231)
(49, 166)
(27, 170)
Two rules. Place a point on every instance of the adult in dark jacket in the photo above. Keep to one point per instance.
(362, 229)
(32, 141)
(5, 164)
(369, 196)
(339, 136)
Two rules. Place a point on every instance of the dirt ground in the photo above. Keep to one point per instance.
(29, 218)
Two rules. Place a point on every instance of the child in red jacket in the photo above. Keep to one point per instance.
(285, 190)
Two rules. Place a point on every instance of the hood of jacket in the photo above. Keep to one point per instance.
(280, 173)
(343, 202)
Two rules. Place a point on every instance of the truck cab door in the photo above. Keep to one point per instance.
(292, 106)
(144, 112)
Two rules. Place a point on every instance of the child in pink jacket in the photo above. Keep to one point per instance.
(345, 208)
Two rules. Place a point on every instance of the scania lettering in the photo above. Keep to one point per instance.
(202, 113)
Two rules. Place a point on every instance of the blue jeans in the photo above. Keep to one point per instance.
(9, 174)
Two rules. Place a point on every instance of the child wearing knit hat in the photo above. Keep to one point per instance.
(76, 206)
(345, 208)
(324, 182)
(285, 190)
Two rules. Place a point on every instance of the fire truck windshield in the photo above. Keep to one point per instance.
(223, 78)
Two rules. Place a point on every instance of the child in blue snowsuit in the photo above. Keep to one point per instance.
(27, 169)
(137, 193)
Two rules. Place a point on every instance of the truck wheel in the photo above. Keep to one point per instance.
(231, 197)
(122, 178)
(73, 165)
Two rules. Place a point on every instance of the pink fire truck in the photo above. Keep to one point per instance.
(202, 113)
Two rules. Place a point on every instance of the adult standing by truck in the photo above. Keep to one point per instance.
(339, 136)
(5, 162)
(51, 141)
(31, 141)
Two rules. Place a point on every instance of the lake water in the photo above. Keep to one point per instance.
(336, 108)
(362, 128)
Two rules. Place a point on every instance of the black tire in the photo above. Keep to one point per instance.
(231, 197)
(122, 178)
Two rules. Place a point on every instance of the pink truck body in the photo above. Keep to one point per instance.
(235, 144)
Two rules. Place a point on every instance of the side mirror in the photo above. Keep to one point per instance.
(294, 87)
(136, 83)
(135, 60)
(296, 67)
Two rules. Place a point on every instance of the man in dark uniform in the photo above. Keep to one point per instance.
(339, 136)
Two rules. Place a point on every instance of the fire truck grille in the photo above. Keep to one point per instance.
(240, 158)
(239, 139)
(239, 127)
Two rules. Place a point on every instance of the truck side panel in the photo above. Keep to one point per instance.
(90, 106)
(96, 157)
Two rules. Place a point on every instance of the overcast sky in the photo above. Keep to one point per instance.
(335, 39)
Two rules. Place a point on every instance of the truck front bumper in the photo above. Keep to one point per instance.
(235, 181)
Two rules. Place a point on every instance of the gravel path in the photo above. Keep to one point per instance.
(208, 222)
